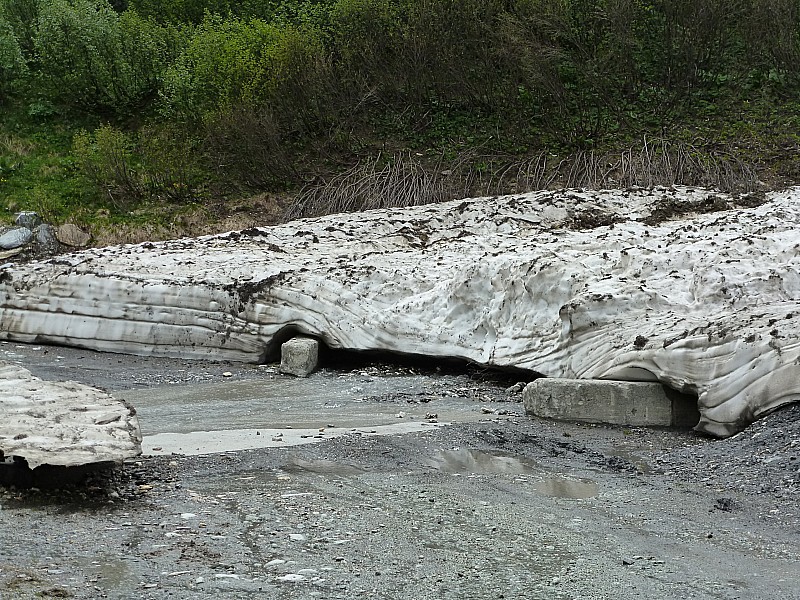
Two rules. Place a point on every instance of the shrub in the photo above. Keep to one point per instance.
(106, 158)
(22, 16)
(230, 61)
(248, 148)
(13, 67)
(128, 168)
(194, 11)
(90, 57)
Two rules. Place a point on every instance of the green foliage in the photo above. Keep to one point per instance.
(266, 94)
(195, 11)
(13, 67)
(127, 169)
(106, 158)
(92, 58)
(180, 11)
(22, 16)
(37, 171)
(231, 62)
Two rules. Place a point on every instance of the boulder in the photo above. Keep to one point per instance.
(45, 240)
(16, 237)
(70, 234)
(62, 423)
(28, 219)
(692, 288)
(299, 356)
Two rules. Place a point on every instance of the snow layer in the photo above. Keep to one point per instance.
(692, 288)
(64, 424)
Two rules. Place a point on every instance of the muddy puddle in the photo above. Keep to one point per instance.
(281, 411)
(562, 487)
(479, 462)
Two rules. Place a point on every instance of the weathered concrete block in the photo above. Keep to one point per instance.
(612, 402)
(299, 356)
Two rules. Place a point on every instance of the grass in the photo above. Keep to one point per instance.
(38, 171)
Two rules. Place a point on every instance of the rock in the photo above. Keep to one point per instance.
(515, 389)
(15, 237)
(70, 234)
(654, 289)
(28, 219)
(613, 402)
(45, 240)
(299, 356)
(62, 424)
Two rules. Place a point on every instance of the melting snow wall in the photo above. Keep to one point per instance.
(688, 287)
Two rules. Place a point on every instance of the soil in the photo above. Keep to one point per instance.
(503, 507)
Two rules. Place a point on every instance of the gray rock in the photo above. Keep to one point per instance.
(28, 219)
(614, 402)
(15, 238)
(72, 235)
(46, 240)
(299, 356)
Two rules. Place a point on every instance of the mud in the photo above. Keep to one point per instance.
(491, 505)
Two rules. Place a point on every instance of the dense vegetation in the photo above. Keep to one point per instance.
(111, 106)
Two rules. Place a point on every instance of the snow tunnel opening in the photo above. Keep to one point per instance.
(347, 360)
(685, 411)
(342, 359)
(272, 353)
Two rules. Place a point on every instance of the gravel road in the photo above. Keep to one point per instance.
(498, 506)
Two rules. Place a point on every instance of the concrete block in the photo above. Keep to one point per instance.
(613, 402)
(299, 356)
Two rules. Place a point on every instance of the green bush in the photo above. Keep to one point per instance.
(13, 67)
(128, 168)
(194, 11)
(94, 59)
(22, 16)
(106, 158)
(231, 63)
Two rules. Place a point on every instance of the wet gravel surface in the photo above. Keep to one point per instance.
(509, 507)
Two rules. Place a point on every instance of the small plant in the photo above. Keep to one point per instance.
(106, 158)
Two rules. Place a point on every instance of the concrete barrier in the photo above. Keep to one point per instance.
(612, 402)
(299, 356)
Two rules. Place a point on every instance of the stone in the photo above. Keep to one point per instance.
(637, 404)
(45, 239)
(70, 234)
(16, 237)
(64, 424)
(635, 285)
(299, 356)
(28, 219)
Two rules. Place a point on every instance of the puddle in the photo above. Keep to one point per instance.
(232, 440)
(479, 462)
(321, 467)
(108, 572)
(561, 487)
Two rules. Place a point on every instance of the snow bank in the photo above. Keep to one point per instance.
(696, 289)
